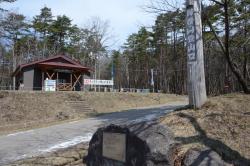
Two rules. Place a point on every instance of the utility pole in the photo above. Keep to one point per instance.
(195, 65)
(14, 66)
(99, 75)
(112, 74)
(95, 71)
(152, 80)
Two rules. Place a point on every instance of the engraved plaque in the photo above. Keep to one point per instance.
(114, 146)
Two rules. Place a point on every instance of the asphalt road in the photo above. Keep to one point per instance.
(39, 141)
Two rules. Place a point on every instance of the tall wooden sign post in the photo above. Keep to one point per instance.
(196, 77)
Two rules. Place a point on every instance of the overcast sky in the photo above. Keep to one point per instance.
(125, 16)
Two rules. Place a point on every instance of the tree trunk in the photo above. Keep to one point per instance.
(14, 66)
(232, 65)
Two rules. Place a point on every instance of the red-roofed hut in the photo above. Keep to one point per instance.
(68, 74)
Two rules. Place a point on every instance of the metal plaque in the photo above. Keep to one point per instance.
(114, 146)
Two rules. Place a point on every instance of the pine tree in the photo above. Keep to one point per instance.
(41, 24)
(59, 32)
(14, 28)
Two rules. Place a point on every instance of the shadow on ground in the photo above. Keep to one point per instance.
(229, 155)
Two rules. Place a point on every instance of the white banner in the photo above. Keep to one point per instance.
(98, 82)
(50, 85)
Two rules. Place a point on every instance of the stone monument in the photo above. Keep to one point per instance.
(143, 144)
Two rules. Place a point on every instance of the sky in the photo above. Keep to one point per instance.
(124, 16)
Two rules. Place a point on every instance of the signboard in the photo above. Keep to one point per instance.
(50, 85)
(114, 146)
(98, 82)
(191, 35)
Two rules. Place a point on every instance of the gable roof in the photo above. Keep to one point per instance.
(51, 62)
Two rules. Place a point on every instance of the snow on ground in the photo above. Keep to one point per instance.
(68, 143)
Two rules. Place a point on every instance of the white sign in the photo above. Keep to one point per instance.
(98, 82)
(50, 85)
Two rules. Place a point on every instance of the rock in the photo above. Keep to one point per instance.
(205, 157)
(148, 144)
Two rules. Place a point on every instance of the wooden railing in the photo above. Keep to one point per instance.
(64, 87)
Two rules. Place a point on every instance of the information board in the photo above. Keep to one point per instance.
(50, 85)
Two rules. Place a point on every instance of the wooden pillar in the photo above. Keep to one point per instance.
(83, 82)
(14, 83)
(57, 81)
(195, 65)
(71, 80)
(42, 80)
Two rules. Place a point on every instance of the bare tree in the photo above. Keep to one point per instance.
(100, 33)
(162, 6)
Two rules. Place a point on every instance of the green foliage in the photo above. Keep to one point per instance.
(42, 22)
(15, 27)
(59, 32)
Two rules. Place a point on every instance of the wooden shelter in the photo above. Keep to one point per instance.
(68, 74)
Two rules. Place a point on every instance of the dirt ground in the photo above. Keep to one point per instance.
(223, 124)
(22, 110)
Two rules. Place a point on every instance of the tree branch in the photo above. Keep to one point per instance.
(161, 6)
(216, 36)
(217, 2)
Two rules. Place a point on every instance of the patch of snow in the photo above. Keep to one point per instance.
(146, 118)
(21, 157)
(73, 122)
(23, 132)
(68, 143)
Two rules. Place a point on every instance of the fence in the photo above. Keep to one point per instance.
(83, 88)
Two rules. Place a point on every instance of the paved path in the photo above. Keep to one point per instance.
(35, 142)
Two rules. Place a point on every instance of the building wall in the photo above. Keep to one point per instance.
(37, 85)
(28, 79)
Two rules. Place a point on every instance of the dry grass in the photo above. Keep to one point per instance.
(113, 102)
(24, 110)
(222, 124)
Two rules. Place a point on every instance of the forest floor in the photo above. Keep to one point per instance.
(222, 124)
(23, 110)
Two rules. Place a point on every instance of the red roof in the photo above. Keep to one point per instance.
(55, 62)
(62, 65)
